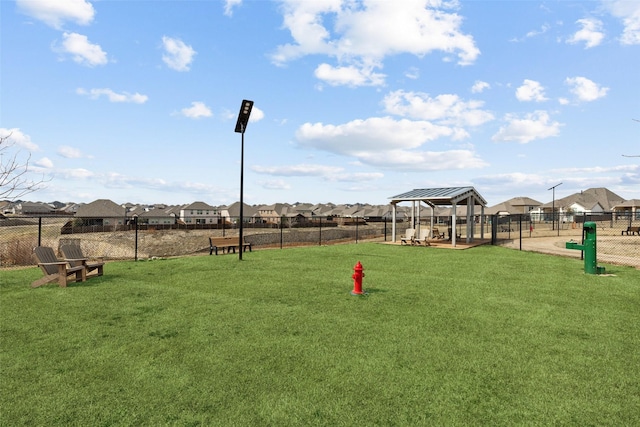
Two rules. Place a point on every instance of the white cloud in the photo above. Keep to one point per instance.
(178, 55)
(364, 33)
(585, 89)
(387, 143)
(412, 73)
(229, 5)
(256, 115)
(44, 162)
(530, 183)
(372, 134)
(78, 173)
(348, 76)
(590, 33)
(543, 29)
(112, 96)
(629, 13)
(446, 109)
(424, 160)
(533, 33)
(479, 86)
(328, 173)
(196, 111)
(530, 90)
(304, 169)
(537, 125)
(598, 169)
(71, 153)
(16, 137)
(55, 12)
(356, 177)
(81, 50)
(514, 180)
(275, 184)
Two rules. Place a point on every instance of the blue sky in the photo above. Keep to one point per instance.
(355, 100)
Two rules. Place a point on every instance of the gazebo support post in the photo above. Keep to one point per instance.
(470, 215)
(453, 225)
(482, 222)
(393, 222)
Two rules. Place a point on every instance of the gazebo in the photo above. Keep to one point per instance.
(450, 196)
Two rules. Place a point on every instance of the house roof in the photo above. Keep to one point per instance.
(35, 207)
(199, 206)
(628, 204)
(441, 196)
(588, 199)
(101, 208)
(513, 205)
(157, 213)
(247, 210)
(523, 201)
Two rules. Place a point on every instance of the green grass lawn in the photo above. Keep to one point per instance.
(485, 336)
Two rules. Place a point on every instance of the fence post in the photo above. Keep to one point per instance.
(494, 229)
(320, 233)
(357, 229)
(281, 231)
(385, 229)
(135, 224)
(520, 226)
(39, 231)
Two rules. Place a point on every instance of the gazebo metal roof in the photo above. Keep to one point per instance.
(441, 196)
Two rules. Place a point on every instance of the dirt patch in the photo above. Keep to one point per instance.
(621, 250)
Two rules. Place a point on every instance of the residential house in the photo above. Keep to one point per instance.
(270, 214)
(199, 213)
(321, 209)
(232, 212)
(101, 212)
(628, 209)
(514, 206)
(7, 207)
(592, 201)
(33, 208)
(157, 216)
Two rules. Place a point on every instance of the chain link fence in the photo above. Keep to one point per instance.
(125, 239)
(617, 241)
(122, 239)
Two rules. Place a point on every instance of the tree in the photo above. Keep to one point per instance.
(15, 179)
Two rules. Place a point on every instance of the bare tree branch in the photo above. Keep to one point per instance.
(15, 179)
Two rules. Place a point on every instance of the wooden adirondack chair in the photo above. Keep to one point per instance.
(73, 255)
(409, 236)
(56, 270)
(424, 237)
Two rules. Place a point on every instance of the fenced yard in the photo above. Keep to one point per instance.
(18, 236)
(485, 336)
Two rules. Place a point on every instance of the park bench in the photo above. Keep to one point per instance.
(227, 244)
(631, 230)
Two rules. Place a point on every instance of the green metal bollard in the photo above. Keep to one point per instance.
(589, 248)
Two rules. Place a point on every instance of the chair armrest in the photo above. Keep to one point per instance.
(76, 259)
(52, 263)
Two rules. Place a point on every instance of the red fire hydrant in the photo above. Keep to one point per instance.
(358, 274)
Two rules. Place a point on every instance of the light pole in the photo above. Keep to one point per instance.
(553, 208)
(241, 126)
